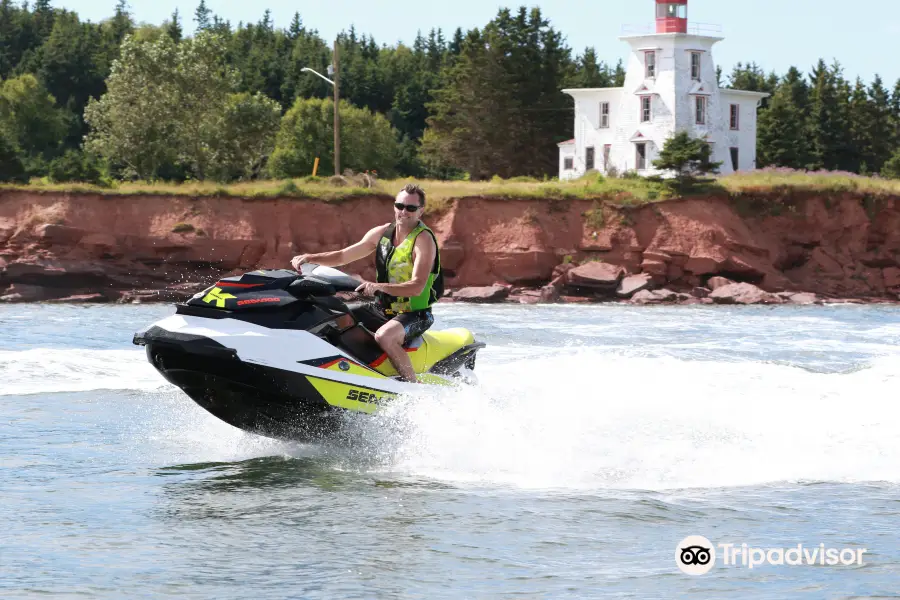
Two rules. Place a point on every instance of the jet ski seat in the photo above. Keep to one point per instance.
(372, 321)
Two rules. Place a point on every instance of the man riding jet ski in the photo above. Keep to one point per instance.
(409, 277)
(279, 353)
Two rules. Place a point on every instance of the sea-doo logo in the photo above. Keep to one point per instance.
(361, 396)
(258, 301)
(218, 296)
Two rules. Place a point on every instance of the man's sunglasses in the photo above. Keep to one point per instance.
(408, 207)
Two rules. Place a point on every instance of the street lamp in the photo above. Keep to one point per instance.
(333, 70)
(330, 71)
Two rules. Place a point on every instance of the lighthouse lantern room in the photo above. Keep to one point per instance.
(671, 16)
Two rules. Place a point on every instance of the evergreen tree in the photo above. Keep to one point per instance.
(11, 168)
(619, 74)
(826, 126)
(173, 28)
(201, 16)
(688, 157)
(860, 121)
(42, 16)
(891, 168)
(882, 146)
(120, 25)
(296, 27)
(894, 135)
(781, 134)
(589, 73)
(469, 112)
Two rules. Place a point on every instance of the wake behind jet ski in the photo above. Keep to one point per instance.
(279, 353)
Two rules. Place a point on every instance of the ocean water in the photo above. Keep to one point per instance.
(597, 439)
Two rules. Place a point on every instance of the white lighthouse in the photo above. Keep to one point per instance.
(670, 85)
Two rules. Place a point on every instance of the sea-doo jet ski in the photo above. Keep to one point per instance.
(279, 353)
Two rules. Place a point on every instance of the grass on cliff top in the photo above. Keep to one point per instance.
(624, 190)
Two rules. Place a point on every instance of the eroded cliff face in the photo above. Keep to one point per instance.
(121, 248)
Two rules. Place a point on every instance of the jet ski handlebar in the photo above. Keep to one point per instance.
(318, 280)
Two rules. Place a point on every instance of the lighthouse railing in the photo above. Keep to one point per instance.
(692, 28)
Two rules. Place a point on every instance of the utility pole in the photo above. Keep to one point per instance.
(337, 116)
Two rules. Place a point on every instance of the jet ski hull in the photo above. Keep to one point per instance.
(259, 399)
(270, 394)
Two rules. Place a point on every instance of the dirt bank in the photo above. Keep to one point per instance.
(59, 247)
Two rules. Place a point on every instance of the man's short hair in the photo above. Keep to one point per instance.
(412, 188)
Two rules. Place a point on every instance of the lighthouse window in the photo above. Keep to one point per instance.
(650, 64)
(735, 117)
(734, 159)
(671, 11)
(695, 66)
(645, 109)
(604, 115)
(700, 107)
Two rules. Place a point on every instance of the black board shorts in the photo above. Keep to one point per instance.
(414, 323)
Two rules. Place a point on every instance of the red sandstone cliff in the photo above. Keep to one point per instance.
(117, 248)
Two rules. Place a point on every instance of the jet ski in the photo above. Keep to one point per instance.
(282, 354)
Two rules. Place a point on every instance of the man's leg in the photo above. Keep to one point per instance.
(390, 337)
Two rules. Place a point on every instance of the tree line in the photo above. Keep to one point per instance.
(83, 101)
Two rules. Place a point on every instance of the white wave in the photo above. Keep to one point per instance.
(50, 370)
(585, 419)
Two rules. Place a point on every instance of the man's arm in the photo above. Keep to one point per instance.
(425, 251)
(360, 249)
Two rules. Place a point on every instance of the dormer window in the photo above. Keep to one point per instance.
(650, 64)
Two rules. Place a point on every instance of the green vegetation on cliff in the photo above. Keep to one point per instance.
(624, 191)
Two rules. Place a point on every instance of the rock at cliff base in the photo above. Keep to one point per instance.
(743, 293)
(654, 297)
(801, 298)
(633, 284)
(654, 267)
(703, 265)
(715, 283)
(700, 292)
(549, 294)
(559, 270)
(657, 255)
(596, 274)
(487, 294)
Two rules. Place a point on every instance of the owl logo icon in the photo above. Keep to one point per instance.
(695, 555)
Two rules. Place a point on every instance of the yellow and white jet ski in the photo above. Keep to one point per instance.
(278, 353)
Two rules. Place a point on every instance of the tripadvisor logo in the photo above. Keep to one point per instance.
(696, 555)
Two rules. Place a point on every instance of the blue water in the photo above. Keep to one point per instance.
(597, 439)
